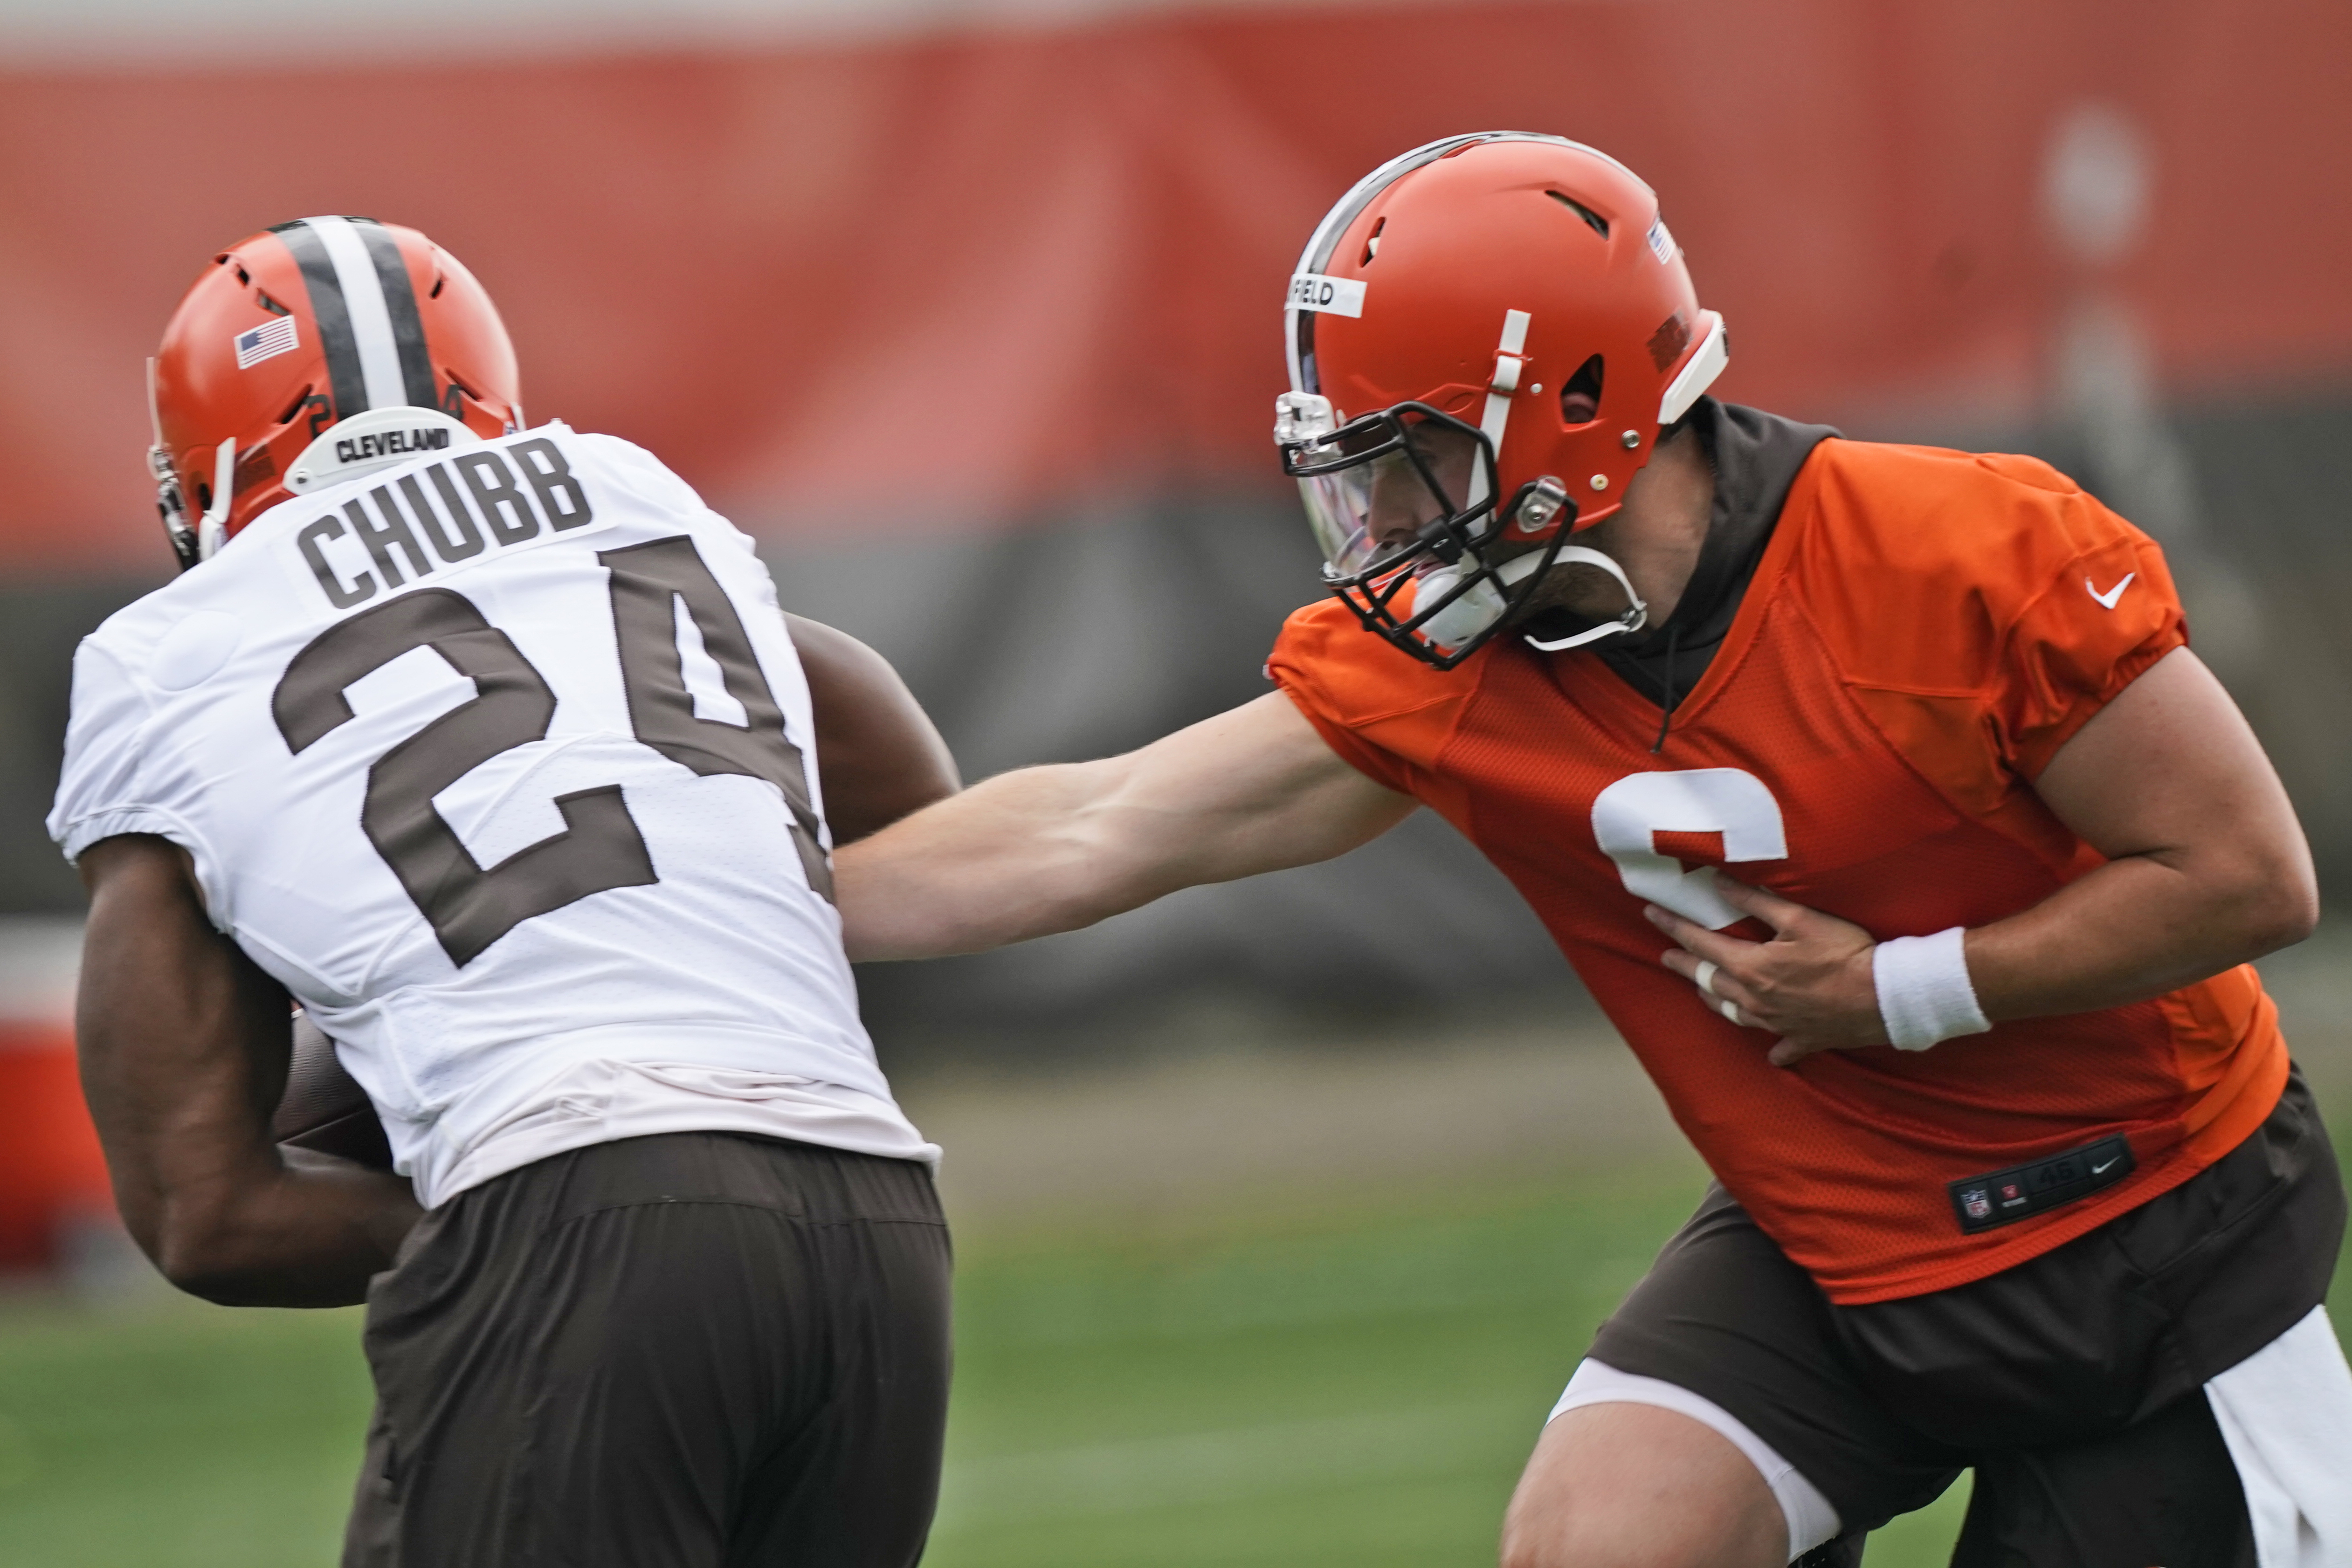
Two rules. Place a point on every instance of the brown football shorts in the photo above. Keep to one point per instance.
(695, 1349)
(2073, 1384)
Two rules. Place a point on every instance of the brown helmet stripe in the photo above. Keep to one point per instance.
(345, 381)
(400, 304)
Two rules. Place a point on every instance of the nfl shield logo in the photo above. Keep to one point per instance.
(1977, 1202)
(272, 338)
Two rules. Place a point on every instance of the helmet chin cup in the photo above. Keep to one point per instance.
(379, 438)
(1480, 607)
(1477, 607)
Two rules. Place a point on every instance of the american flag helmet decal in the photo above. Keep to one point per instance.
(272, 338)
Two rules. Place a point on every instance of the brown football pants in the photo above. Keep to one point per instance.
(698, 1350)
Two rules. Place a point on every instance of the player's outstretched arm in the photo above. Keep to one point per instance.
(878, 755)
(1051, 849)
(183, 1045)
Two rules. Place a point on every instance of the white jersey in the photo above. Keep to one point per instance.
(502, 761)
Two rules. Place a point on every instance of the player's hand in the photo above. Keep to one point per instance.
(1810, 984)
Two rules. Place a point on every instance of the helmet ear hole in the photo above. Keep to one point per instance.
(1580, 399)
(1372, 242)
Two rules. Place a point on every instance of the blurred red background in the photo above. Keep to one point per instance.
(964, 280)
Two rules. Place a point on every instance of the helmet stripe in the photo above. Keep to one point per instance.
(370, 313)
(345, 379)
(399, 308)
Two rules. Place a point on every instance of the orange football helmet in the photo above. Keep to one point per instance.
(1522, 293)
(297, 330)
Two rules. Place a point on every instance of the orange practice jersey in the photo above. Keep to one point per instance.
(1925, 631)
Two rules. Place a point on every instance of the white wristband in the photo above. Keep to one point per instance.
(1924, 992)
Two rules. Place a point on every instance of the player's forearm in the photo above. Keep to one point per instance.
(1051, 849)
(2137, 927)
(183, 1044)
(1015, 857)
(307, 1232)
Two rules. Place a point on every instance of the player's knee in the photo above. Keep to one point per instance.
(1604, 1538)
(1554, 1531)
(1521, 1548)
(1628, 1485)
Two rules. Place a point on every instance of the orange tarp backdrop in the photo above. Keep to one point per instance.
(52, 1172)
(962, 280)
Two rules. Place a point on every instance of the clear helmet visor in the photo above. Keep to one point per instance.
(1373, 487)
(1374, 508)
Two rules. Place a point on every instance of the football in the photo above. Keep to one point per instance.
(323, 1108)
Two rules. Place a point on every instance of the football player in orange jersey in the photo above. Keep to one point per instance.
(1876, 795)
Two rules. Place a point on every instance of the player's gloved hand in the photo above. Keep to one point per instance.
(1810, 984)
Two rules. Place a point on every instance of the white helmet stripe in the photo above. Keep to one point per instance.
(1498, 397)
(371, 316)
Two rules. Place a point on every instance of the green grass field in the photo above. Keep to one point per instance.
(1355, 1382)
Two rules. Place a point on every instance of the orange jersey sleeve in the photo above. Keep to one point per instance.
(1384, 712)
(1982, 609)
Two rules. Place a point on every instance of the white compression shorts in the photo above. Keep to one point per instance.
(1812, 1519)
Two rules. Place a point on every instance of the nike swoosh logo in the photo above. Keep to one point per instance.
(2102, 1170)
(2108, 600)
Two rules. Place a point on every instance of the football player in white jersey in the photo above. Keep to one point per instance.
(490, 747)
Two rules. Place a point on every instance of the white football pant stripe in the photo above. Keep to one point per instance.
(1811, 1518)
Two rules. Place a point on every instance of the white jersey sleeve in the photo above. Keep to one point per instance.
(110, 714)
(502, 762)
